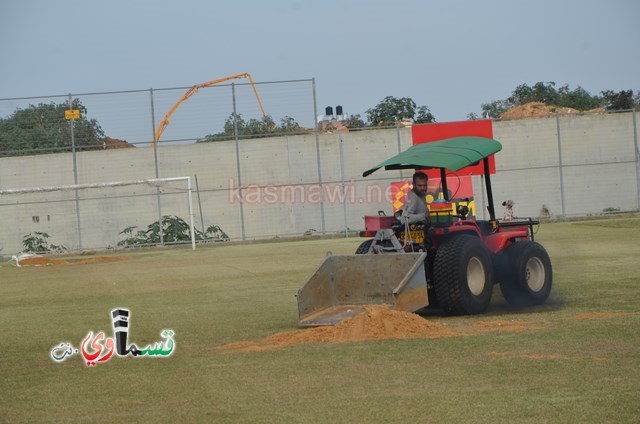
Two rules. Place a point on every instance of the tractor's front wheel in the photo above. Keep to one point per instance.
(528, 276)
(365, 247)
(463, 275)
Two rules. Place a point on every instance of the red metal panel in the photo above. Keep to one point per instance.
(376, 222)
(425, 133)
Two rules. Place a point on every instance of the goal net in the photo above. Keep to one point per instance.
(105, 215)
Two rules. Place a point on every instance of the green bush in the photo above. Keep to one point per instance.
(174, 230)
(37, 242)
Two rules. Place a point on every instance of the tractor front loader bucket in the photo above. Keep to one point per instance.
(343, 284)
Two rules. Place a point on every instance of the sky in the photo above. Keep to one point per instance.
(451, 56)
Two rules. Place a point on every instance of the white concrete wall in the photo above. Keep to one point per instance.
(597, 153)
(599, 165)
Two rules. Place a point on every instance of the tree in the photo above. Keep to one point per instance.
(354, 121)
(494, 109)
(44, 129)
(577, 99)
(545, 93)
(254, 128)
(424, 116)
(391, 111)
(288, 124)
(233, 121)
(540, 92)
(622, 100)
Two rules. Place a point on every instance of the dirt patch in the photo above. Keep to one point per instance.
(377, 322)
(531, 356)
(507, 326)
(599, 315)
(44, 261)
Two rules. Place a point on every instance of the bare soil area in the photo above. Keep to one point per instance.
(44, 261)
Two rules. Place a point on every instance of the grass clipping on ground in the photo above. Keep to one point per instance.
(377, 322)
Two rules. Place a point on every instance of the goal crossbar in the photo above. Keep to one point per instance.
(157, 182)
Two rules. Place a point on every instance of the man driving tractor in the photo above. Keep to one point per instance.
(415, 208)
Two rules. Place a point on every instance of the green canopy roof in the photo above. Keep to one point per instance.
(451, 153)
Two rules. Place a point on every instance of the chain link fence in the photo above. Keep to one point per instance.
(259, 168)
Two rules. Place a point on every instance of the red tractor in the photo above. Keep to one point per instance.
(453, 261)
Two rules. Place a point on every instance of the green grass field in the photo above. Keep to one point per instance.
(578, 360)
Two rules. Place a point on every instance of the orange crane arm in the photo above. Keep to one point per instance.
(193, 90)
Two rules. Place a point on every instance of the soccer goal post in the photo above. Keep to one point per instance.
(92, 207)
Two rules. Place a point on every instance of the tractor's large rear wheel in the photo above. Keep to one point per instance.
(463, 275)
(528, 275)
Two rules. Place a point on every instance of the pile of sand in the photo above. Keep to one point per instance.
(377, 322)
(114, 143)
(542, 110)
(536, 110)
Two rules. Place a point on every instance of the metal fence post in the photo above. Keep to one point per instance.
(560, 164)
(399, 147)
(637, 150)
(157, 168)
(75, 173)
(235, 136)
(344, 188)
(318, 162)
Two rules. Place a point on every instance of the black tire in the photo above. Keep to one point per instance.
(528, 275)
(365, 247)
(463, 275)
